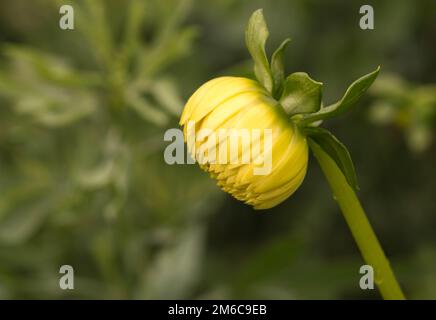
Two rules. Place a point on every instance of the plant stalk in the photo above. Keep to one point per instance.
(359, 225)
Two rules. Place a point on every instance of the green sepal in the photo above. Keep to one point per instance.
(278, 68)
(353, 93)
(301, 94)
(336, 150)
(256, 35)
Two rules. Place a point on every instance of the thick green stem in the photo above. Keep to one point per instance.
(359, 225)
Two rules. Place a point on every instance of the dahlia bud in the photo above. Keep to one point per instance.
(275, 118)
(242, 105)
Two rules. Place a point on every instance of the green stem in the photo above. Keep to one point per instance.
(359, 225)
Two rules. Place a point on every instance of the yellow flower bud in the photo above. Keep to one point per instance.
(238, 103)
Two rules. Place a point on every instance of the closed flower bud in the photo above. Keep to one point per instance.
(233, 104)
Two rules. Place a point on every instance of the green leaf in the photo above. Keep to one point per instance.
(301, 94)
(336, 150)
(353, 93)
(256, 35)
(163, 281)
(144, 107)
(278, 68)
(167, 94)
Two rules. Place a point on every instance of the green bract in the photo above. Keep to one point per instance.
(301, 97)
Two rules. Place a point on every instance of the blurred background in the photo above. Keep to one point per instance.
(82, 176)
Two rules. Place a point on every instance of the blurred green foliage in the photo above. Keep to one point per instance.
(411, 108)
(82, 176)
